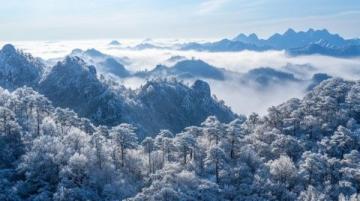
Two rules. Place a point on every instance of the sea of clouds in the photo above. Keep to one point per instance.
(242, 99)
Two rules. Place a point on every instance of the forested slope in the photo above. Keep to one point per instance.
(304, 149)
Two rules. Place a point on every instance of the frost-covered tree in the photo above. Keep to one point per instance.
(43, 155)
(283, 170)
(148, 147)
(311, 125)
(98, 141)
(274, 117)
(311, 194)
(185, 143)
(213, 129)
(313, 168)
(235, 133)
(353, 100)
(125, 137)
(49, 127)
(216, 158)
(164, 142)
(11, 145)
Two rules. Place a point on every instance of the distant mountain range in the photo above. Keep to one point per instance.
(224, 45)
(292, 39)
(325, 48)
(295, 43)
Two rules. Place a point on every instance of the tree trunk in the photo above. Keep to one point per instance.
(217, 171)
(163, 158)
(122, 156)
(232, 149)
(4, 129)
(98, 152)
(38, 122)
(115, 159)
(149, 161)
(185, 154)
(168, 154)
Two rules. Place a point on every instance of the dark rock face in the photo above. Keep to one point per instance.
(181, 105)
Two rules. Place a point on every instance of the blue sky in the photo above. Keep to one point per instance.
(95, 19)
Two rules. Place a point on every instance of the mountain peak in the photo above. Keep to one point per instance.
(253, 36)
(242, 35)
(202, 87)
(289, 31)
(114, 43)
(160, 67)
(76, 51)
(18, 69)
(76, 64)
(8, 48)
(73, 60)
(324, 31)
(94, 52)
